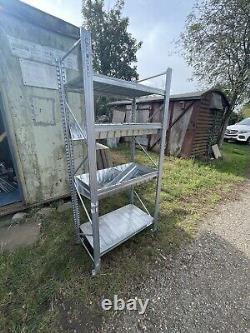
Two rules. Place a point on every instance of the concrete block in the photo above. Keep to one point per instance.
(19, 217)
(64, 207)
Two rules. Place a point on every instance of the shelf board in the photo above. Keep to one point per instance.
(105, 131)
(109, 86)
(115, 179)
(116, 227)
(76, 133)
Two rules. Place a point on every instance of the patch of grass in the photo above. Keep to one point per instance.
(48, 288)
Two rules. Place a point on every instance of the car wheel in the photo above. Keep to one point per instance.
(248, 141)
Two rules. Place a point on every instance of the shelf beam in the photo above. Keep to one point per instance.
(110, 86)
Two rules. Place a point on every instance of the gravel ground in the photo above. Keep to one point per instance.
(206, 286)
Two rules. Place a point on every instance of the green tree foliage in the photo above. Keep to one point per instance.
(216, 44)
(235, 118)
(245, 111)
(114, 47)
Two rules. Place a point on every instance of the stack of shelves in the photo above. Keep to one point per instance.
(102, 233)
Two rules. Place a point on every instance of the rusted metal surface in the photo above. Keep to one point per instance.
(206, 131)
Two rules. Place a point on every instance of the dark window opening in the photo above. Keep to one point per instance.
(9, 188)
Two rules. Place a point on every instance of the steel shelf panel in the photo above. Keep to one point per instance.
(116, 227)
(109, 86)
(105, 131)
(76, 133)
(115, 179)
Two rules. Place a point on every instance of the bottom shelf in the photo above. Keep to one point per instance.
(116, 227)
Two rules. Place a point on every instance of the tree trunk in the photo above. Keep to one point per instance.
(226, 118)
(224, 126)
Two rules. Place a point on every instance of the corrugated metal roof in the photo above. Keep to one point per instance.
(153, 98)
(189, 95)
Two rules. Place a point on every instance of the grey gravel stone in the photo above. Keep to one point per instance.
(19, 217)
(64, 207)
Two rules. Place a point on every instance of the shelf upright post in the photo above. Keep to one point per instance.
(165, 122)
(86, 50)
(133, 119)
(68, 147)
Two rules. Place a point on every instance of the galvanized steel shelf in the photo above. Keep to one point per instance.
(110, 86)
(106, 131)
(102, 233)
(115, 179)
(116, 227)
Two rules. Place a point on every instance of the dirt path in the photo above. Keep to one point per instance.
(206, 286)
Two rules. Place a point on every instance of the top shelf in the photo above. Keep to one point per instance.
(109, 86)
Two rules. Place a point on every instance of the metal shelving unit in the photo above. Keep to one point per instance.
(103, 233)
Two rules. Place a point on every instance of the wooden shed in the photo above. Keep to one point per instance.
(195, 121)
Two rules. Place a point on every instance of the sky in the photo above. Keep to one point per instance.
(157, 23)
